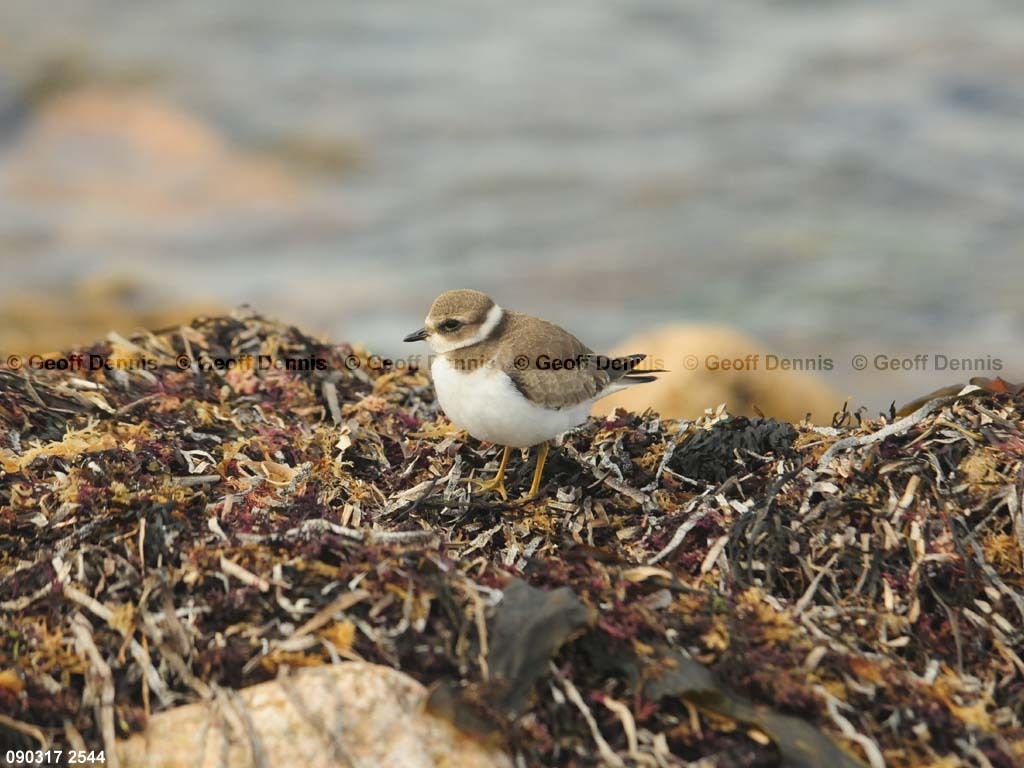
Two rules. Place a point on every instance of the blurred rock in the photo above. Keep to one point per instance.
(38, 323)
(347, 714)
(106, 158)
(685, 393)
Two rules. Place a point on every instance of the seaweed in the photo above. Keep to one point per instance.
(743, 591)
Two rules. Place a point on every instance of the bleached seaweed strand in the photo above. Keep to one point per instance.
(635, 494)
(1017, 511)
(896, 428)
(87, 648)
(681, 531)
(330, 392)
(571, 692)
(621, 711)
(326, 614)
(98, 609)
(871, 750)
(684, 430)
(859, 441)
(27, 729)
(808, 595)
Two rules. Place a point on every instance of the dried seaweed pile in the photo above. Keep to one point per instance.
(744, 591)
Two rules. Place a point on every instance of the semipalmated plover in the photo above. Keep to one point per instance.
(513, 379)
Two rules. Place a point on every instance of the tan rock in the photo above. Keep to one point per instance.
(109, 153)
(40, 323)
(696, 379)
(350, 714)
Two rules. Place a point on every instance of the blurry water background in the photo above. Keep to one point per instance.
(832, 177)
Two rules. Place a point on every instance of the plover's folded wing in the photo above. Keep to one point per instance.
(554, 369)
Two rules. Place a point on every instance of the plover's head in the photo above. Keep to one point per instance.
(458, 319)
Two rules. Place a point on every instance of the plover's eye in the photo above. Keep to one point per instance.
(450, 325)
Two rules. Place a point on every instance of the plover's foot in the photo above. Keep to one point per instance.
(495, 484)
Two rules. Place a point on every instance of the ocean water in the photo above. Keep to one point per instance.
(833, 177)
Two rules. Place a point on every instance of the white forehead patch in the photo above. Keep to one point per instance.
(440, 345)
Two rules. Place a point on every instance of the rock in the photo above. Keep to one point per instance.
(114, 159)
(683, 392)
(43, 322)
(352, 714)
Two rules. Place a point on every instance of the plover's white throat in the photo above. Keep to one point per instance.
(512, 379)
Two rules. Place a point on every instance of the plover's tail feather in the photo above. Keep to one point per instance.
(623, 371)
(636, 378)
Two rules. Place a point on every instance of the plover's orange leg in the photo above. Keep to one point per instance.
(542, 456)
(497, 483)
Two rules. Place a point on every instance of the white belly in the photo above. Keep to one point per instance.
(487, 404)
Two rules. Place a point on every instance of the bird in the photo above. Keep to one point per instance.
(515, 380)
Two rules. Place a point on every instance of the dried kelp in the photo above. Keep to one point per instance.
(740, 591)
